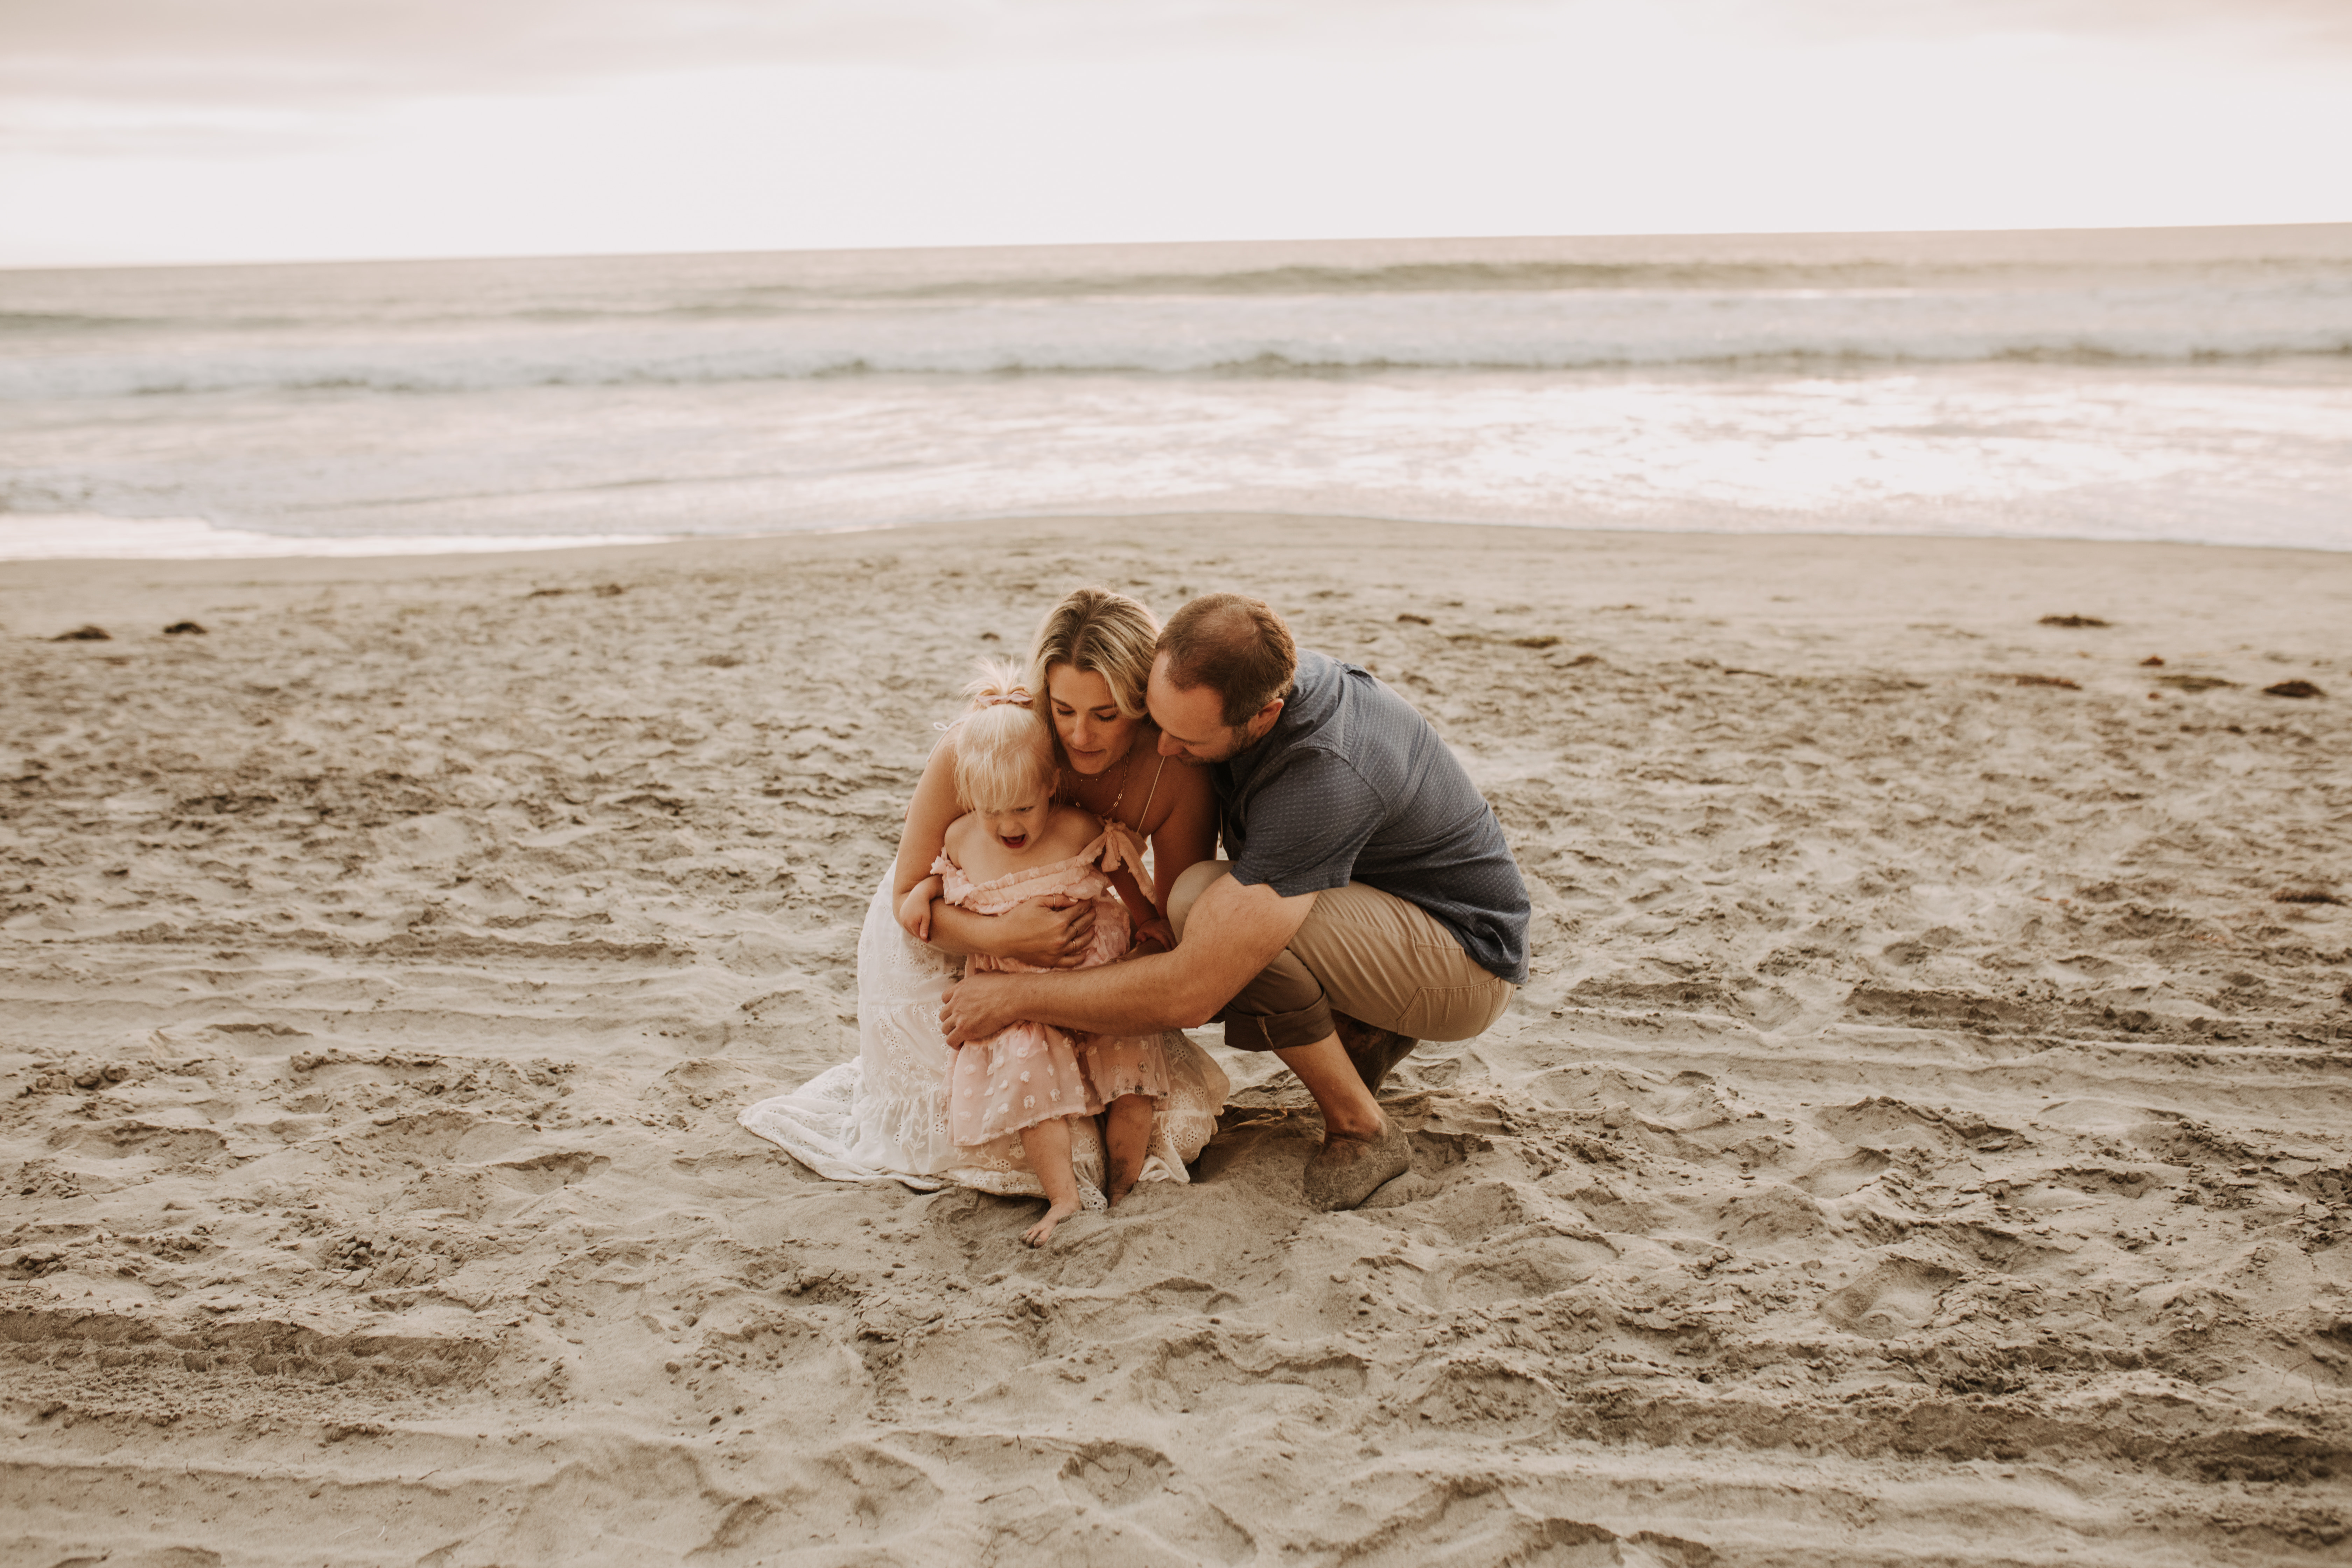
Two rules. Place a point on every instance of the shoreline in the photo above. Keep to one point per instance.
(522, 553)
(1331, 249)
(1923, 1091)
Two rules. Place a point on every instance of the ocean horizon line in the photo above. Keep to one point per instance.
(100, 538)
(2340, 229)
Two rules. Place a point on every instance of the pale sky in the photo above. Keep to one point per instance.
(144, 130)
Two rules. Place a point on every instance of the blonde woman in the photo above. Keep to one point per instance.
(885, 1116)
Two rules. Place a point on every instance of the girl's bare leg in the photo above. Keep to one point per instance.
(1126, 1142)
(1047, 1145)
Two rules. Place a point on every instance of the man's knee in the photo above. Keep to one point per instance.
(1190, 885)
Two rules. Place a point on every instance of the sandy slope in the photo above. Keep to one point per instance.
(1925, 1138)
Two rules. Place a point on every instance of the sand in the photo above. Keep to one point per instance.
(1925, 1138)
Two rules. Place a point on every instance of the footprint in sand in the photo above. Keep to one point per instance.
(1892, 1299)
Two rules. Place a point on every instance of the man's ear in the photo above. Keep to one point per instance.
(1263, 720)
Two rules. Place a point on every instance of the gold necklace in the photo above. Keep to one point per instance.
(1079, 781)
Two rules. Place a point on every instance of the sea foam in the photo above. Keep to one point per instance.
(2172, 384)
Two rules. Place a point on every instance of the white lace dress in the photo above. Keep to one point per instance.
(884, 1117)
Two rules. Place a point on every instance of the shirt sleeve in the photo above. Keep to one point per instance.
(1306, 826)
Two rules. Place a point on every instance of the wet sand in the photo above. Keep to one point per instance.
(1925, 1138)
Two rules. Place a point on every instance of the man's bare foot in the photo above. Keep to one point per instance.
(1374, 1051)
(1127, 1145)
(1041, 1233)
(1346, 1171)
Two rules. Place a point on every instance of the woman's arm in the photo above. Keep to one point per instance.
(928, 816)
(1083, 834)
(1143, 920)
(1187, 835)
(1035, 932)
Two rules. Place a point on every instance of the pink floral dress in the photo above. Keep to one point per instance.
(1031, 1072)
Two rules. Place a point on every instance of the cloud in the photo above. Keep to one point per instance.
(320, 50)
(314, 50)
(610, 125)
(2256, 23)
(2065, 15)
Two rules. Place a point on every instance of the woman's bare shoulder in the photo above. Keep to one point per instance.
(1180, 786)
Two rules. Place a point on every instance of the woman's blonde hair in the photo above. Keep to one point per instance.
(1004, 744)
(1102, 633)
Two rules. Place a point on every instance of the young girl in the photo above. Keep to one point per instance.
(1018, 844)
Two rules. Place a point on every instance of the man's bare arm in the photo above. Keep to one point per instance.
(1232, 932)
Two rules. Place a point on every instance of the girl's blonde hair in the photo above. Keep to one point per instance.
(1100, 632)
(1004, 744)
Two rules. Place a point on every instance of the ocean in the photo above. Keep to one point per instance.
(2191, 385)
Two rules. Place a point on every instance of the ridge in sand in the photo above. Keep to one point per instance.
(1925, 1137)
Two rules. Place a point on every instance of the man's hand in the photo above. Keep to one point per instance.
(1051, 933)
(977, 1007)
(1235, 932)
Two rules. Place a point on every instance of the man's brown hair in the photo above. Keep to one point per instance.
(1236, 646)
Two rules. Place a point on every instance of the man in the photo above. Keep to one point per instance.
(1369, 900)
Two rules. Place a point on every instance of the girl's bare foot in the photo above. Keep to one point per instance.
(1047, 1145)
(1127, 1145)
(1041, 1233)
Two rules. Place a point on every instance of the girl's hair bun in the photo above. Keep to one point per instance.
(1004, 745)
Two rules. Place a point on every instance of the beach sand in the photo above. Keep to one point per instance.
(1926, 1136)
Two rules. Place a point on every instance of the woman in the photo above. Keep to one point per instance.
(884, 1116)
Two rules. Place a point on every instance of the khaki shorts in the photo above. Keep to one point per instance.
(1369, 954)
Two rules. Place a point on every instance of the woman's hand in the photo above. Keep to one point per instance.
(1051, 933)
(1120, 847)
